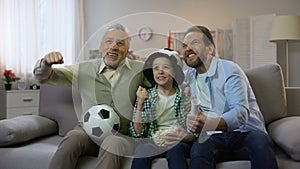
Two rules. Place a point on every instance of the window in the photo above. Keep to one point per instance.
(32, 28)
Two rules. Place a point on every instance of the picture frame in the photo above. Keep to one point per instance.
(21, 85)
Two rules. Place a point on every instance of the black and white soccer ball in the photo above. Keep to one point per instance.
(100, 121)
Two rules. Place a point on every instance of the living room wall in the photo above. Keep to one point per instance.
(177, 15)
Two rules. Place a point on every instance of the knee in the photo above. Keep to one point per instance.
(259, 141)
(200, 148)
(174, 152)
(75, 138)
(195, 149)
(148, 150)
(115, 144)
(112, 141)
(177, 149)
(142, 151)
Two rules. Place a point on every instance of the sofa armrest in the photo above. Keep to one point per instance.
(284, 132)
(24, 128)
(293, 97)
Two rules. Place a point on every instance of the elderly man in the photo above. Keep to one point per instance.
(112, 80)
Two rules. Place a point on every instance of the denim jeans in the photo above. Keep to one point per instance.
(255, 146)
(176, 156)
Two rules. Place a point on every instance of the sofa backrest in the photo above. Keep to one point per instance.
(56, 103)
(268, 86)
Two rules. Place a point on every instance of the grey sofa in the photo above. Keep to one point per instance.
(29, 142)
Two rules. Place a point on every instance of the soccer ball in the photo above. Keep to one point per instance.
(100, 121)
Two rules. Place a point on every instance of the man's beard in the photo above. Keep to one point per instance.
(196, 64)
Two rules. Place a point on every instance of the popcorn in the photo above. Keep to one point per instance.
(158, 136)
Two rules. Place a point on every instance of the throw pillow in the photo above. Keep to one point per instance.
(24, 128)
(284, 132)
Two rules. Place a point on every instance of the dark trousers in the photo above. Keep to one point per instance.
(255, 146)
(176, 155)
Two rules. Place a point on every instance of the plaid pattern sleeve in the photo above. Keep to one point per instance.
(131, 128)
(149, 123)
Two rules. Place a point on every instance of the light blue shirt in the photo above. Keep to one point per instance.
(231, 95)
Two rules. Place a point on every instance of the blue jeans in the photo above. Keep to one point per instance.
(176, 156)
(255, 146)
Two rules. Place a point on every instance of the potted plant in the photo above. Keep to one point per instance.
(9, 77)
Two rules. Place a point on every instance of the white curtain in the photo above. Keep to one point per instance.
(29, 29)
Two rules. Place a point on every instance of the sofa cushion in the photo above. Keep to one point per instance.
(268, 86)
(56, 103)
(25, 128)
(285, 133)
(35, 154)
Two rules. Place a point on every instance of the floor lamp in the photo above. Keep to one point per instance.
(285, 28)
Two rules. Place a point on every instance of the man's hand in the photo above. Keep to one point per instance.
(195, 123)
(199, 123)
(174, 136)
(53, 58)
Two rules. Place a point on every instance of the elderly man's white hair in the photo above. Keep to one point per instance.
(118, 26)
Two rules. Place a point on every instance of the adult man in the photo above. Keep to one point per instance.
(112, 80)
(230, 118)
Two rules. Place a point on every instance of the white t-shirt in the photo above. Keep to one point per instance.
(165, 111)
(203, 94)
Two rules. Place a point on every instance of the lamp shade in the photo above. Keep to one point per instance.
(285, 28)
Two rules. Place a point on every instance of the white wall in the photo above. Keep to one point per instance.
(211, 13)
